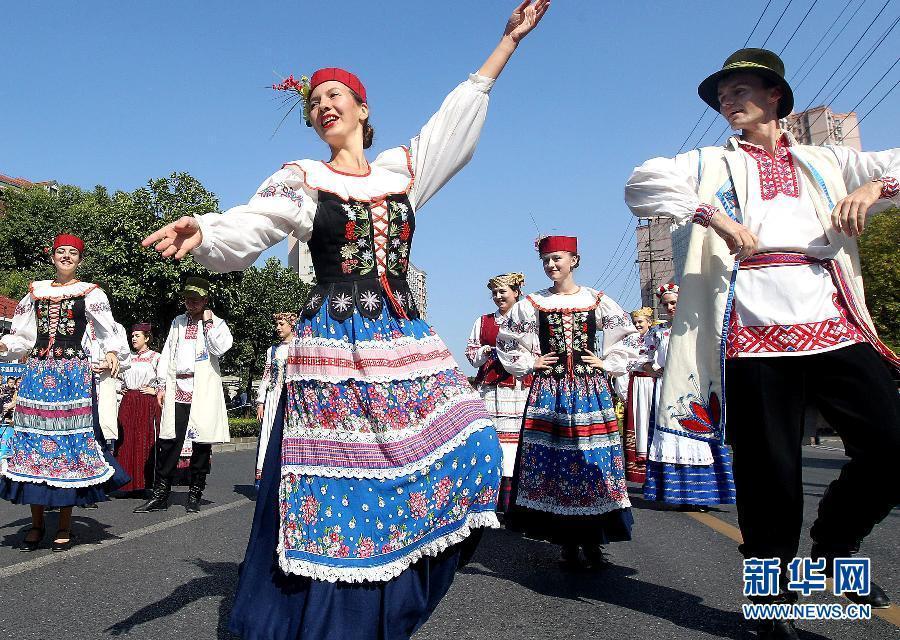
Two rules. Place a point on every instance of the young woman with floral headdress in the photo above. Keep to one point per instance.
(382, 459)
(671, 475)
(504, 394)
(268, 396)
(56, 459)
(638, 398)
(569, 481)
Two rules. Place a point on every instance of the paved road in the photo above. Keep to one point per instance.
(171, 575)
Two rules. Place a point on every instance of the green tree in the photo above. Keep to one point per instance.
(879, 249)
(142, 287)
(261, 293)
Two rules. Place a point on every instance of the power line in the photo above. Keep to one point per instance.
(856, 44)
(822, 39)
(610, 261)
(855, 69)
(758, 20)
(875, 106)
(631, 274)
(786, 7)
(808, 11)
(703, 114)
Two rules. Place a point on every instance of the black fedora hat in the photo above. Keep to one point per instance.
(761, 62)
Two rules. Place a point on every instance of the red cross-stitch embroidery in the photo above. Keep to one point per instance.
(776, 175)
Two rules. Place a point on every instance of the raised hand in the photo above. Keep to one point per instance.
(177, 238)
(849, 214)
(525, 18)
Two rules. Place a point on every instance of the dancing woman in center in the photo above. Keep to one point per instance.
(569, 481)
(382, 459)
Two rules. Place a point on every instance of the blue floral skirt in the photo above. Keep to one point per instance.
(272, 605)
(54, 455)
(569, 480)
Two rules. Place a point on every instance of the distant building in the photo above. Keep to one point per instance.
(300, 259)
(418, 285)
(7, 182)
(662, 251)
(820, 125)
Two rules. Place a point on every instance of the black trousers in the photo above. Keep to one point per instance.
(766, 399)
(168, 450)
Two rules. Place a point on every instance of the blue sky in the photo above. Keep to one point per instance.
(115, 94)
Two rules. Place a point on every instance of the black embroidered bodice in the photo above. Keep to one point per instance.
(344, 245)
(60, 323)
(554, 334)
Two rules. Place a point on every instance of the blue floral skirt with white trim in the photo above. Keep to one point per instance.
(53, 455)
(702, 485)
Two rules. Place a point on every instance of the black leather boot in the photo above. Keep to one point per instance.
(195, 493)
(159, 498)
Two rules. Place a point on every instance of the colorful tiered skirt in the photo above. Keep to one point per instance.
(55, 458)
(569, 482)
(380, 464)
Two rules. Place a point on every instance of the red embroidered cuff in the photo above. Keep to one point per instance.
(703, 215)
(889, 186)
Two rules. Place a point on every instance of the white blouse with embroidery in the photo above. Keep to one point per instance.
(287, 201)
(23, 334)
(142, 372)
(785, 310)
(192, 342)
(518, 345)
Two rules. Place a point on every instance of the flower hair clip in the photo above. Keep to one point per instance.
(299, 89)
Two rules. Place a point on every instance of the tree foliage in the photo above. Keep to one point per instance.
(142, 287)
(879, 249)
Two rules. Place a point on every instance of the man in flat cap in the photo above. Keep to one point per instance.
(192, 397)
(772, 305)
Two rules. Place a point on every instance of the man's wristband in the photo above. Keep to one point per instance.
(703, 215)
(889, 187)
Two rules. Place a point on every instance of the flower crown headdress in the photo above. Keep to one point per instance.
(670, 287)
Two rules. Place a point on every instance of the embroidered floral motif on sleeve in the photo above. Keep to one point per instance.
(614, 321)
(890, 187)
(100, 307)
(704, 215)
(282, 190)
(22, 309)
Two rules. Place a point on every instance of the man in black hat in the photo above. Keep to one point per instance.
(192, 396)
(772, 293)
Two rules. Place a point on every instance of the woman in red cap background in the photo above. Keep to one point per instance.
(569, 479)
(56, 459)
(382, 459)
(504, 394)
(139, 412)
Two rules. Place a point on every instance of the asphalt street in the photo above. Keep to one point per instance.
(172, 576)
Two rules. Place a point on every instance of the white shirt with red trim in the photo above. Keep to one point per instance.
(788, 309)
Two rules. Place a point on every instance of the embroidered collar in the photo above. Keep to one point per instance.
(45, 289)
(777, 174)
(390, 174)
